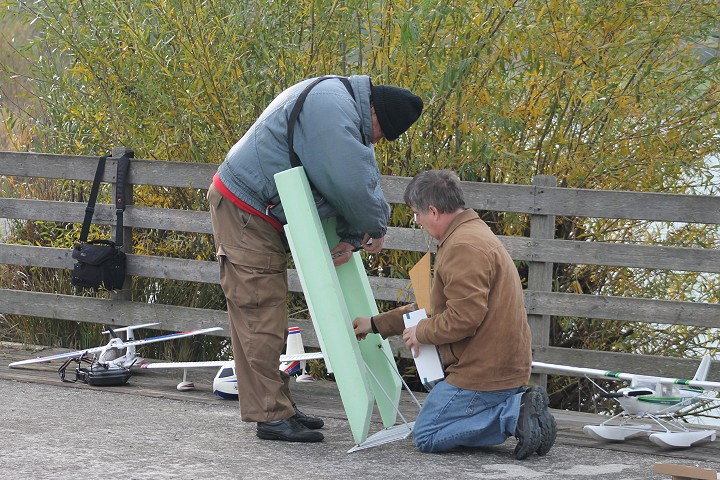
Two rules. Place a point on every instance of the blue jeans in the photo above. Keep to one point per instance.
(452, 417)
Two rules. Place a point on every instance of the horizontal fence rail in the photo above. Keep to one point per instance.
(540, 202)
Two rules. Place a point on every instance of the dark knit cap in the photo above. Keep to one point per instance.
(396, 109)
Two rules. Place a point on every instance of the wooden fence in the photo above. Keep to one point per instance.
(542, 201)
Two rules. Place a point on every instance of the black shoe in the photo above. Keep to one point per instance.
(289, 430)
(310, 422)
(527, 431)
(547, 424)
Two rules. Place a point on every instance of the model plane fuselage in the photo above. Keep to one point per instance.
(650, 403)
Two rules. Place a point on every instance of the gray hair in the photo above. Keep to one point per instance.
(439, 188)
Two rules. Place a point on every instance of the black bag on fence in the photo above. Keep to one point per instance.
(101, 262)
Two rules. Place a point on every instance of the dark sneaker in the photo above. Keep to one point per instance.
(310, 422)
(527, 431)
(289, 430)
(547, 423)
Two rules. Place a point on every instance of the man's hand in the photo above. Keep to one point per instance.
(343, 250)
(362, 327)
(372, 245)
(411, 341)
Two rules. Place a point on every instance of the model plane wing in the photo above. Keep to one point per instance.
(540, 367)
(131, 327)
(298, 357)
(59, 356)
(113, 345)
(169, 336)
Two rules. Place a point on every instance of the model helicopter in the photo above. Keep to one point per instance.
(293, 362)
(106, 364)
(650, 405)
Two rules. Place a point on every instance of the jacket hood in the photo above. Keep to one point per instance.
(361, 88)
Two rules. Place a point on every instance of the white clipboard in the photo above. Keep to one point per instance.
(428, 362)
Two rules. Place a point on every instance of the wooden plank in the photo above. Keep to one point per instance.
(629, 205)
(412, 239)
(108, 312)
(614, 254)
(540, 274)
(390, 289)
(559, 201)
(137, 265)
(408, 239)
(73, 167)
(540, 303)
(685, 472)
(399, 290)
(483, 196)
(623, 308)
(134, 216)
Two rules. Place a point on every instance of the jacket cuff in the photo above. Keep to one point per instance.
(354, 241)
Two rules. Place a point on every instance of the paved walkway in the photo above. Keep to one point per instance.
(148, 430)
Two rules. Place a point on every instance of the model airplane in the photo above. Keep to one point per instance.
(225, 382)
(107, 366)
(108, 352)
(651, 405)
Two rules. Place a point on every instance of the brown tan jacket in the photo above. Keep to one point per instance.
(479, 322)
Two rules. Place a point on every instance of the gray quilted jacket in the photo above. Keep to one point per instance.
(333, 140)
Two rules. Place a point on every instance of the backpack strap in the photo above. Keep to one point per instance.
(90, 209)
(294, 159)
(122, 169)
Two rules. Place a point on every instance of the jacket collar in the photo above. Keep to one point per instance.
(464, 217)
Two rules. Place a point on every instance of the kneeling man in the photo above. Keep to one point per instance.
(479, 325)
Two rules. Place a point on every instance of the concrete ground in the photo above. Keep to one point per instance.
(148, 430)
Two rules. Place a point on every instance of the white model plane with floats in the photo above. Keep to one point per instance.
(107, 365)
(225, 382)
(651, 405)
(108, 353)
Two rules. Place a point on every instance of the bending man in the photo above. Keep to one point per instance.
(337, 126)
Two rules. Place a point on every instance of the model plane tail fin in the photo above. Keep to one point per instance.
(703, 369)
(294, 346)
(294, 341)
(129, 328)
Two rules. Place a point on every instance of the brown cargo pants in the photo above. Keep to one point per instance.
(253, 276)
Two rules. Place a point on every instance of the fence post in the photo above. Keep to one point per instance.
(540, 274)
(126, 292)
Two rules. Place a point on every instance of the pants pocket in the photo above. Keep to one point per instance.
(253, 279)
